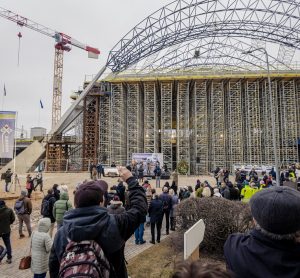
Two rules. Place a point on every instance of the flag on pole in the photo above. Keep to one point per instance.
(42, 106)
(4, 91)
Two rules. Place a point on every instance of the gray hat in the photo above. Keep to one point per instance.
(23, 193)
(277, 209)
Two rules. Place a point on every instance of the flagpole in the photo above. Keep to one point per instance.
(15, 150)
(4, 94)
(39, 117)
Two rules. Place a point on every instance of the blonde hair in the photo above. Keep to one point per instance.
(206, 192)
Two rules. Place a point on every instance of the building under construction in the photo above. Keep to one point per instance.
(202, 97)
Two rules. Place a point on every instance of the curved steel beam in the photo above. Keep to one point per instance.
(273, 21)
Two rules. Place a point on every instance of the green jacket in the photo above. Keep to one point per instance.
(61, 206)
(7, 217)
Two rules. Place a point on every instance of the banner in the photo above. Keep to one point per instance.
(149, 161)
(7, 133)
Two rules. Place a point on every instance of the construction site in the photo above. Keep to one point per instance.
(208, 90)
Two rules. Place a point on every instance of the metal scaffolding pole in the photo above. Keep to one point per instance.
(271, 118)
(118, 133)
(166, 123)
(135, 135)
(104, 129)
(217, 125)
(235, 123)
(253, 127)
(150, 118)
(183, 129)
(199, 129)
(289, 125)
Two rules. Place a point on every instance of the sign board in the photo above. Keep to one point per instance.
(7, 136)
(149, 161)
(193, 237)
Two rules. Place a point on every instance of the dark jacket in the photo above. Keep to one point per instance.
(254, 255)
(8, 175)
(166, 198)
(7, 217)
(110, 231)
(56, 193)
(51, 199)
(156, 210)
(121, 191)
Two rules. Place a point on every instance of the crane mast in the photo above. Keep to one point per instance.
(63, 43)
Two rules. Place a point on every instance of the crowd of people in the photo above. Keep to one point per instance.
(105, 218)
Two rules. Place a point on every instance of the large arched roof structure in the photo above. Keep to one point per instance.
(272, 21)
(222, 30)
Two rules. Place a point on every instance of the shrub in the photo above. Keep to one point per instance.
(221, 217)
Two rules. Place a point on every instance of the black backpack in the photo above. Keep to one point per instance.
(45, 209)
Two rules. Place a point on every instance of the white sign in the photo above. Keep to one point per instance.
(193, 237)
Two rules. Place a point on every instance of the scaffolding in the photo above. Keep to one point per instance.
(199, 128)
(183, 127)
(217, 126)
(90, 140)
(270, 114)
(104, 129)
(135, 135)
(253, 128)
(234, 122)
(167, 135)
(287, 94)
(118, 133)
(150, 118)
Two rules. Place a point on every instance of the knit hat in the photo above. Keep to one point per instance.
(90, 193)
(277, 209)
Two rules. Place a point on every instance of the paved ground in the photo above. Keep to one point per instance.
(21, 246)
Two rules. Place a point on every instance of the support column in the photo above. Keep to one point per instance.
(166, 122)
(150, 118)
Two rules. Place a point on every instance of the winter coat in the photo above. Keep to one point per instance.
(121, 191)
(41, 243)
(115, 209)
(8, 175)
(175, 179)
(27, 204)
(7, 217)
(141, 172)
(110, 231)
(51, 199)
(166, 198)
(56, 193)
(61, 206)
(156, 211)
(254, 255)
(175, 202)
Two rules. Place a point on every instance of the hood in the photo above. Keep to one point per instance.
(2, 209)
(63, 196)
(93, 223)
(44, 225)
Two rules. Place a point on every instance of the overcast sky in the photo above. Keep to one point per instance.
(99, 23)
